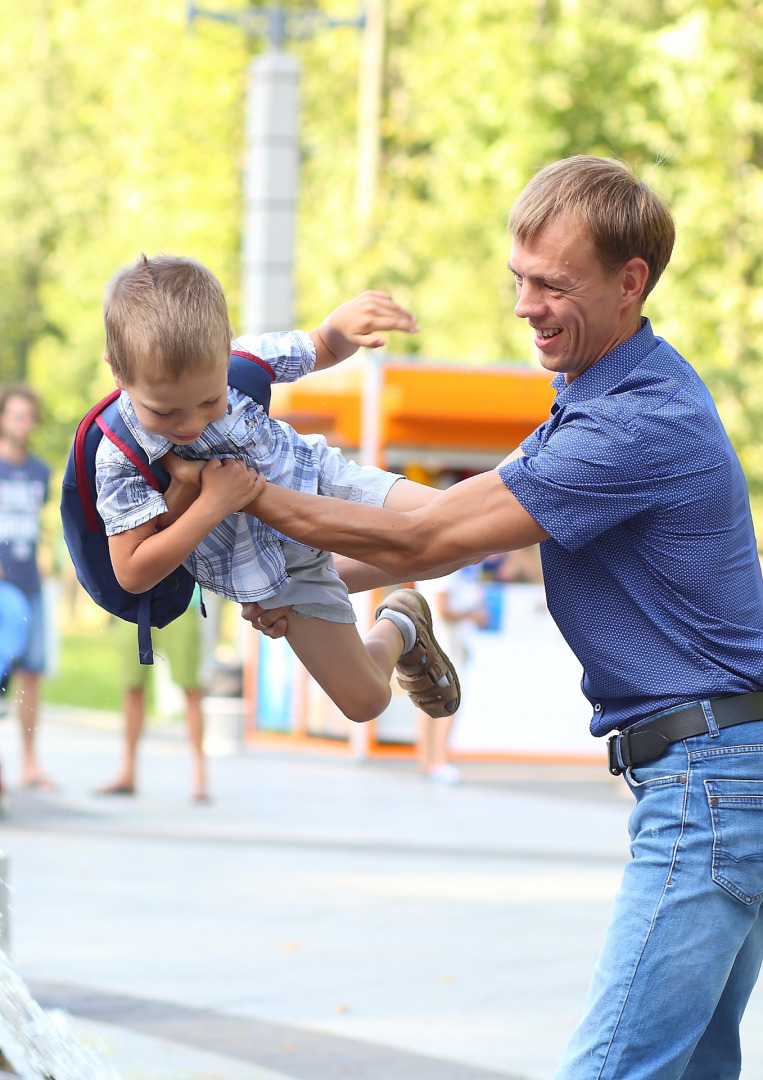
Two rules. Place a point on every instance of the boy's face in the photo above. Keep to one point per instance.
(178, 409)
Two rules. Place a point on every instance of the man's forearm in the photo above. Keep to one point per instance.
(467, 522)
(383, 538)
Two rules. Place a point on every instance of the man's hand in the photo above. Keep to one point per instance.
(182, 471)
(273, 623)
(184, 487)
(361, 321)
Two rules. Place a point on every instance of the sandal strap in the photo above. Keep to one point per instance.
(421, 669)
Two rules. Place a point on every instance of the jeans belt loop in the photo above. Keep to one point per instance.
(712, 728)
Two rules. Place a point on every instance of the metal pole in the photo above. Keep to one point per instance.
(271, 171)
(271, 154)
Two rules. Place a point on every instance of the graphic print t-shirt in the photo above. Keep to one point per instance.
(23, 491)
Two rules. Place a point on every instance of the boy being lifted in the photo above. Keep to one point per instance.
(168, 343)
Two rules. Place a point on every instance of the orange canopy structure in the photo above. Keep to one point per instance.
(464, 416)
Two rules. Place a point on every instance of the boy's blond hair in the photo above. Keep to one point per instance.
(625, 218)
(165, 316)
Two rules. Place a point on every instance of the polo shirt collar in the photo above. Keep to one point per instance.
(607, 372)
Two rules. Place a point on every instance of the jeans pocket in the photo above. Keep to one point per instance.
(736, 809)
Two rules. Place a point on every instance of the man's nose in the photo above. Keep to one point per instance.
(529, 302)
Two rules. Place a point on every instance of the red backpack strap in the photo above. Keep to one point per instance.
(80, 460)
(128, 452)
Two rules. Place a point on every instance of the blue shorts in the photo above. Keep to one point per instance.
(34, 656)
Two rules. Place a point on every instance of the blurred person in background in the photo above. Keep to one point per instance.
(179, 645)
(457, 602)
(24, 485)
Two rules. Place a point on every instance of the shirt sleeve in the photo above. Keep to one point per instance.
(591, 474)
(290, 353)
(125, 499)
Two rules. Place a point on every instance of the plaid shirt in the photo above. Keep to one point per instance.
(242, 558)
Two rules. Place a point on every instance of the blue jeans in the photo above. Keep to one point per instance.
(684, 947)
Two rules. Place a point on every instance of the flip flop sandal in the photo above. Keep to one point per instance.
(115, 789)
(421, 670)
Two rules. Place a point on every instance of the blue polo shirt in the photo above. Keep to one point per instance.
(651, 572)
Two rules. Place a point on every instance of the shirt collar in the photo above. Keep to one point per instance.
(608, 371)
(155, 446)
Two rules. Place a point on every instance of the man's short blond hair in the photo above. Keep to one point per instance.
(624, 217)
(165, 316)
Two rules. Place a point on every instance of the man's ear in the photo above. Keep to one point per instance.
(635, 276)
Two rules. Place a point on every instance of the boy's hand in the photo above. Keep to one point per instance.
(361, 321)
(227, 485)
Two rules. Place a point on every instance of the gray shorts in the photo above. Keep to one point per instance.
(315, 591)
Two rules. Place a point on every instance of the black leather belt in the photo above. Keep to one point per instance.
(651, 738)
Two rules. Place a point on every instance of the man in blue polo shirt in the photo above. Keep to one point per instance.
(651, 572)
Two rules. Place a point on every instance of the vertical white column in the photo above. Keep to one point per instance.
(271, 171)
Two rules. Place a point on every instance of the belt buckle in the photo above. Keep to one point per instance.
(625, 752)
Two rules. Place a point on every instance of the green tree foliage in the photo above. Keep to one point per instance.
(121, 131)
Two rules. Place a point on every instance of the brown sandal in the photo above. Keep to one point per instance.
(420, 670)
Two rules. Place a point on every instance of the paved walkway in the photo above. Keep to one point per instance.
(320, 920)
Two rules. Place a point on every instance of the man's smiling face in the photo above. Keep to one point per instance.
(578, 310)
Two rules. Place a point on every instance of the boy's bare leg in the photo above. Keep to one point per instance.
(354, 673)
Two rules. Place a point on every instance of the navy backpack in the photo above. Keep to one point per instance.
(84, 531)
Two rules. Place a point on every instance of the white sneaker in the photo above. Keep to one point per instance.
(444, 774)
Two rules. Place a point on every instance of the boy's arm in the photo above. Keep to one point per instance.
(143, 556)
(361, 321)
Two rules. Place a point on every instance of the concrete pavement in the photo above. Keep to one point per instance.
(320, 919)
